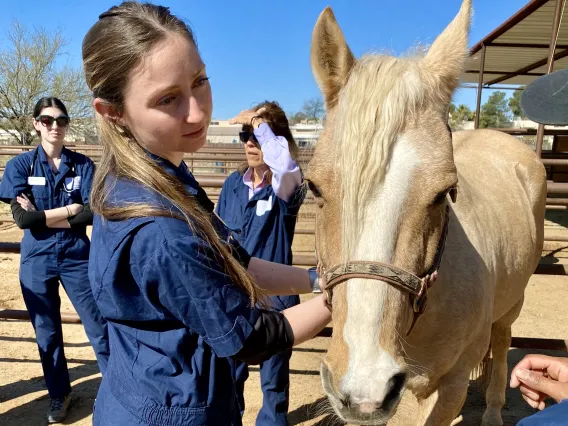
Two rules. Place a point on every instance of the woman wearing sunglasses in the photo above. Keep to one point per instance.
(48, 190)
(260, 203)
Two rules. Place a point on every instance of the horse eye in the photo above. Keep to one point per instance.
(315, 190)
(441, 197)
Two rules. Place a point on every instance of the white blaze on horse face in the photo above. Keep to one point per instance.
(371, 367)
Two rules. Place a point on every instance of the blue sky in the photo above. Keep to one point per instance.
(257, 50)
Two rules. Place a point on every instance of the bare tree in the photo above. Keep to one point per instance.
(314, 108)
(28, 71)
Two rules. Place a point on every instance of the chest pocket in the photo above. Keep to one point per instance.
(40, 196)
(263, 206)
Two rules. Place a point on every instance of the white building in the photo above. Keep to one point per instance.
(306, 135)
(220, 131)
(515, 124)
(7, 137)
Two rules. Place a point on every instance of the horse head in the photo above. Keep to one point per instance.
(381, 176)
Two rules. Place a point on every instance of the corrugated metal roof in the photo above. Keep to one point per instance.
(508, 63)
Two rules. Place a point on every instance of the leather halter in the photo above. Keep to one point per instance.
(397, 277)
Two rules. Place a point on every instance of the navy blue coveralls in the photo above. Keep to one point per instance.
(174, 317)
(555, 415)
(264, 226)
(49, 256)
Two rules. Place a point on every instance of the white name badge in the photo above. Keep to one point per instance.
(263, 206)
(36, 180)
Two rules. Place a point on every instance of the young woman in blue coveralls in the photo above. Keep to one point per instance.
(48, 189)
(260, 203)
(179, 295)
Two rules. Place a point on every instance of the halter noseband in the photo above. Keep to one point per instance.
(397, 277)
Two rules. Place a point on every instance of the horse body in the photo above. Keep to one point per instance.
(494, 245)
(503, 196)
(381, 175)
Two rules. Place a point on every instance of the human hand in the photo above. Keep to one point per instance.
(25, 202)
(249, 117)
(539, 377)
(75, 209)
(321, 282)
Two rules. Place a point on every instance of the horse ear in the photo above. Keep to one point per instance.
(445, 61)
(331, 58)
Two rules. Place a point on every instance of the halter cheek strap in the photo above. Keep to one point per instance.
(397, 277)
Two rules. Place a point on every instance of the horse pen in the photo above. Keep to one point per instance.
(542, 326)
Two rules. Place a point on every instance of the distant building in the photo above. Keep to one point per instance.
(7, 137)
(306, 135)
(220, 131)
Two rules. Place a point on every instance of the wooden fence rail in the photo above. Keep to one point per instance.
(517, 342)
(222, 161)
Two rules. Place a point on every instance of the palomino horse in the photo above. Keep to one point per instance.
(383, 175)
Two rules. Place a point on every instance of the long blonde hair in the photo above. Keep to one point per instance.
(381, 96)
(113, 47)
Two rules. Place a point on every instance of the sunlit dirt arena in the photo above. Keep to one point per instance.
(24, 401)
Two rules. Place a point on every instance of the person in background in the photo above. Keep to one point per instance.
(48, 189)
(179, 297)
(260, 204)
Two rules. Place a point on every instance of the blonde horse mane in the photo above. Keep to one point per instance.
(382, 94)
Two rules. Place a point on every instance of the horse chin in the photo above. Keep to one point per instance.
(347, 413)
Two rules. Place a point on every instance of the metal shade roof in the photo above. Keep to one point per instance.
(516, 52)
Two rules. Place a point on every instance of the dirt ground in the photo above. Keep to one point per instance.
(24, 402)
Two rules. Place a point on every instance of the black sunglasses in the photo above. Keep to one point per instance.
(48, 120)
(245, 136)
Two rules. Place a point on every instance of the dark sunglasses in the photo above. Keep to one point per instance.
(245, 136)
(48, 120)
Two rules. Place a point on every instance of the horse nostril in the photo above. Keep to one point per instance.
(396, 384)
(346, 401)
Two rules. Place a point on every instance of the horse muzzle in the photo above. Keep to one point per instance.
(367, 412)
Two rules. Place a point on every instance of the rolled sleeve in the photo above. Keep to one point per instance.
(14, 181)
(193, 288)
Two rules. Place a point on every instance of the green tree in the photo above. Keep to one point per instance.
(515, 103)
(458, 115)
(28, 72)
(495, 112)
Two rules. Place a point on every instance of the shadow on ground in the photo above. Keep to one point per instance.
(33, 412)
(515, 408)
(559, 217)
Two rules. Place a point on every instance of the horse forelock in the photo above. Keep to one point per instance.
(381, 95)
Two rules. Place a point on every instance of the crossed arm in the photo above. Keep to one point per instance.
(27, 216)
